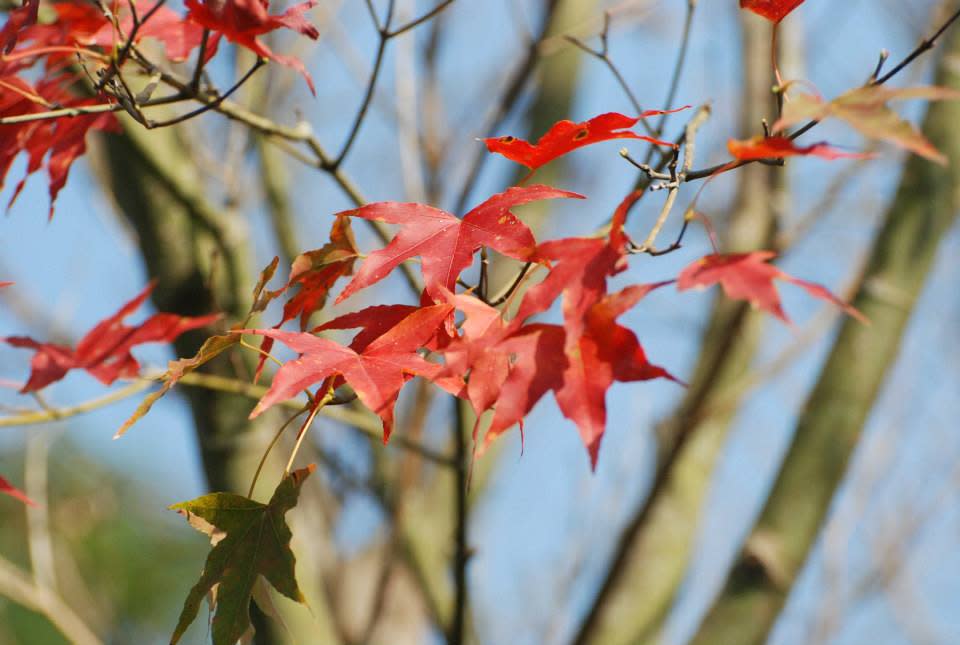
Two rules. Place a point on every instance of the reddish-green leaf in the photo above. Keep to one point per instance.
(104, 351)
(249, 540)
(314, 273)
(748, 276)
(866, 110)
(211, 348)
(775, 10)
(566, 136)
(777, 147)
(445, 243)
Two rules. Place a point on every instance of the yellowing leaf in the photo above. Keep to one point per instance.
(249, 540)
(866, 110)
(211, 348)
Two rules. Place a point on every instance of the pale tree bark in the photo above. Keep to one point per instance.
(655, 547)
(833, 417)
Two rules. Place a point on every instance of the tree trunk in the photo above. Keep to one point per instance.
(655, 547)
(829, 428)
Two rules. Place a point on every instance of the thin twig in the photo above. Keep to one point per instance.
(422, 19)
(361, 115)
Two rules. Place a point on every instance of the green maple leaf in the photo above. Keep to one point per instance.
(249, 539)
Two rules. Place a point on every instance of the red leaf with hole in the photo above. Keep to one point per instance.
(566, 136)
(376, 373)
(9, 489)
(748, 276)
(778, 147)
(775, 10)
(104, 351)
(242, 21)
(446, 243)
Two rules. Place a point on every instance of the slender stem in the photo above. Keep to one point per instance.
(461, 556)
(321, 402)
(273, 442)
(216, 102)
(503, 296)
(56, 414)
(201, 56)
(925, 45)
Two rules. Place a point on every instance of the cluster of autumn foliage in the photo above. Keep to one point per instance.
(489, 349)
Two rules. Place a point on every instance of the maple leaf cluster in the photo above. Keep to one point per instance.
(82, 31)
(500, 366)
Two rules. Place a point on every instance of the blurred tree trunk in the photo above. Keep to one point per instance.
(829, 428)
(655, 547)
(201, 265)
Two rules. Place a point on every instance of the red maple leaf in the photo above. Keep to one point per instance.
(778, 147)
(9, 489)
(445, 242)
(56, 143)
(178, 35)
(104, 351)
(581, 266)
(376, 372)
(566, 136)
(511, 367)
(242, 21)
(748, 276)
(84, 24)
(775, 10)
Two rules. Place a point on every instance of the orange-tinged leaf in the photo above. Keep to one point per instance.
(866, 110)
(566, 136)
(775, 10)
(314, 273)
(250, 540)
(749, 276)
(777, 147)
